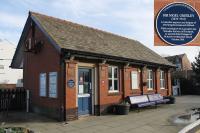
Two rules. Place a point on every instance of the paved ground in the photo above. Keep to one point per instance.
(146, 121)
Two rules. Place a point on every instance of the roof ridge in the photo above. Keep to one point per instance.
(85, 26)
(153, 56)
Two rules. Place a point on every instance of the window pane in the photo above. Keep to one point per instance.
(109, 72)
(162, 79)
(115, 72)
(151, 84)
(53, 84)
(86, 87)
(116, 85)
(150, 79)
(161, 83)
(86, 77)
(151, 74)
(110, 85)
(43, 84)
(148, 82)
(112, 78)
(161, 74)
(148, 74)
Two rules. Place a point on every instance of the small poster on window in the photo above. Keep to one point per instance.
(80, 89)
(134, 79)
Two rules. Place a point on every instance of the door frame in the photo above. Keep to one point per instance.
(93, 82)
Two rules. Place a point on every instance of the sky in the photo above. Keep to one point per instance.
(130, 18)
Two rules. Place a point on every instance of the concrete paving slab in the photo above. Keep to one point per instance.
(146, 121)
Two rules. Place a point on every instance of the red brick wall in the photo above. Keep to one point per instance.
(106, 98)
(127, 82)
(159, 4)
(169, 85)
(71, 93)
(48, 60)
(156, 88)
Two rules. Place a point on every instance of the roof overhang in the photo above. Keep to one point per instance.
(18, 57)
(80, 54)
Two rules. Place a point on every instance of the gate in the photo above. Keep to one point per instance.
(14, 99)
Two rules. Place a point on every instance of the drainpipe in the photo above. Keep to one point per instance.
(63, 85)
(141, 80)
(123, 81)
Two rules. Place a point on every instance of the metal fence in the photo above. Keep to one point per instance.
(14, 99)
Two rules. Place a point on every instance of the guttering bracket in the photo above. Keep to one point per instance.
(104, 61)
(127, 64)
(72, 58)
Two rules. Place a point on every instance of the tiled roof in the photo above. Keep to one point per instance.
(74, 36)
(173, 58)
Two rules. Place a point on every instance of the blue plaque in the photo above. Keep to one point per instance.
(70, 83)
(178, 23)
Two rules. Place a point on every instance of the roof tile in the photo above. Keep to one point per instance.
(74, 36)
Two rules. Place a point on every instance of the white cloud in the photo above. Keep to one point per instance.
(12, 36)
(131, 18)
(12, 20)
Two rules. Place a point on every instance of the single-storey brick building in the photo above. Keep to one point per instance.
(73, 70)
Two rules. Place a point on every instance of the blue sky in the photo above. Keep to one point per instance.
(130, 18)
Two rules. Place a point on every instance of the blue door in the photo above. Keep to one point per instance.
(84, 91)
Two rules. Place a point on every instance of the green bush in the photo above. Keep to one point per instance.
(15, 130)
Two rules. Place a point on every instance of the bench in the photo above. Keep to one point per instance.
(140, 101)
(157, 98)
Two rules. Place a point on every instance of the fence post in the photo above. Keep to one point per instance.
(27, 101)
(1, 100)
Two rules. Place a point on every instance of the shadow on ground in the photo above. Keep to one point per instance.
(22, 117)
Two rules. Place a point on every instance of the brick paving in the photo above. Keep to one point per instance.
(147, 121)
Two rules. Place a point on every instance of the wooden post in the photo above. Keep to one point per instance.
(27, 101)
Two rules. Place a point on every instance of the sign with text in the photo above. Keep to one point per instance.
(176, 24)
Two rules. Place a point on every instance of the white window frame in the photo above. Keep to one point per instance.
(2, 67)
(113, 79)
(149, 79)
(133, 86)
(53, 92)
(43, 84)
(162, 79)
